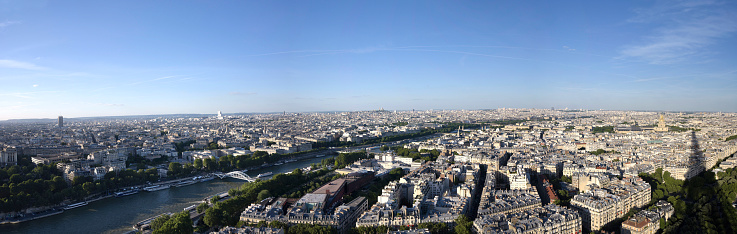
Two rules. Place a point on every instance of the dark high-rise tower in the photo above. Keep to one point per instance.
(61, 121)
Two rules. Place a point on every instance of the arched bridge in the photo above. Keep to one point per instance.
(236, 174)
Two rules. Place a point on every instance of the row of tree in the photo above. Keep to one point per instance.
(27, 185)
(230, 162)
(731, 138)
(424, 154)
(345, 159)
(601, 151)
(298, 228)
(462, 226)
(448, 127)
(175, 224)
(609, 129)
(226, 213)
(140, 162)
(311, 186)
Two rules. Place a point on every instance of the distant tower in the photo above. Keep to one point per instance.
(220, 115)
(661, 125)
(61, 121)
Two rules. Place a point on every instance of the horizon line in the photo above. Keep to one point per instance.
(275, 112)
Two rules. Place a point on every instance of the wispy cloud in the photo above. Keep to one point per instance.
(19, 65)
(426, 48)
(653, 79)
(8, 23)
(152, 80)
(111, 104)
(727, 76)
(686, 29)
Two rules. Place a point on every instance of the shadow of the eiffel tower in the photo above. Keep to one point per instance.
(696, 159)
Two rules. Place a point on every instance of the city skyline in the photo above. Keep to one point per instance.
(84, 59)
(169, 115)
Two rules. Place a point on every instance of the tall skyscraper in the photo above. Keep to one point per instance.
(61, 121)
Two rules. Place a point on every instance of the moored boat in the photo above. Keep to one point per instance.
(209, 178)
(75, 205)
(185, 183)
(156, 188)
(126, 193)
(262, 175)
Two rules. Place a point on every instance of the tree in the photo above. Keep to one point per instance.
(16, 179)
(370, 230)
(88, 187)
(563, 193)
(566, 179)
(198, 163)
(202, 207)
(214, 216)
(179, 223)
(158, 222)
(263, 195)
(58, 184)
(435, 228)
(224, 165)
(187, 169)
(463, 225)
(297, 172)
(175, 168)
(210, 164)
(259, 154)
(277, 224)
(310, 228)
(658, 174)
(78, 180)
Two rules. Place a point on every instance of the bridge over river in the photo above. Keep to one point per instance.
(236, 175)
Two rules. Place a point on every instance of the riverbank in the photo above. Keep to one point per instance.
(118, 215)
(58, 209)
(33, 217)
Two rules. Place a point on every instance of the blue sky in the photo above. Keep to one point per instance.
(101, 58)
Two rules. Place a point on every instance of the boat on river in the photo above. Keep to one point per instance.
(126, 193)
(206, 178)
(156, 188)
(75, 205)
(262, 175)
(185, 183)
(144, 224)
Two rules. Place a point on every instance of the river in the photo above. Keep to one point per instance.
(117, 215)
